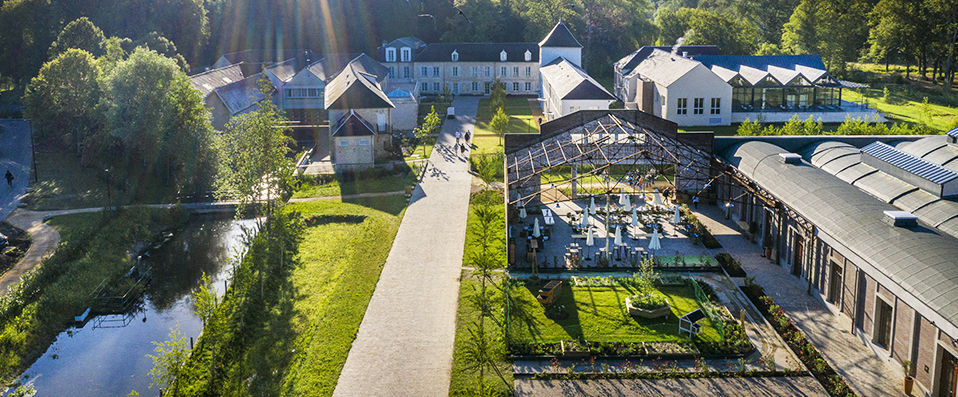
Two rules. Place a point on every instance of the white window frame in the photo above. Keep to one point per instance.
(455, 71)
(528, 86)
(406, 54)
(503, 56)
(528, 56)
(435, 71)
(406, 72)
(424, 71)
(424, 87)
(455, 56)
(682, 106)
(503, 71)
(716, 107)
(390, 54)
(475, 86)
(528, 71)
(515, 71)
(515, 86)
(435, 86)
(698, 106)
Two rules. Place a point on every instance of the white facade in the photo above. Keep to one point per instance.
(549, 54)
(698, 87)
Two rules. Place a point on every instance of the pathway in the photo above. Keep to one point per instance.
(15, 156)
(867, 373)
(718, 387)
(405, 343)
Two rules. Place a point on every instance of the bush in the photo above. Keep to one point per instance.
(648, 301)
(730, 264)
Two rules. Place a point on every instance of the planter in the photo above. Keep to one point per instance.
(909, 384)
(647, 313)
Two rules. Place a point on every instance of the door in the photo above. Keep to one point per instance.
(798, 255)
(948, 383)
(883, 314)
(381, 121)
(835, 284)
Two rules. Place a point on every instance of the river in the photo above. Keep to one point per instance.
(107, 356)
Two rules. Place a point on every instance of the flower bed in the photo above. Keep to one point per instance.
(730, 264)
(698, 228)
(813, 360)
(606, 349)
(647, 306)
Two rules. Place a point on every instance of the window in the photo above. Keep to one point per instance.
(503, 70)
(528, 71)
(475, 86)
(390, 55)
(455, 88)
(716, 106)
(406, 54)
(405, 72)
(503, 56)
(528, 86)
(528, 56)
(682, 106)
(425, 87)
(515, 71)
(698, 106)
(488, 71)
(883, 316)
(424, 71)
(515, 86)
(435, 86)
(455, 71)
(455, 56)
(435, 71)
(392, 72)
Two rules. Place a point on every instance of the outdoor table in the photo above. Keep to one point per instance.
(549, 220)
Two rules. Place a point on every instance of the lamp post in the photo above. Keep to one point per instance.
(109, 190)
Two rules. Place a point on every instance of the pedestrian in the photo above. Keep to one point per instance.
(9, 177)
(458, 136)
(468, 135)
(695, 202)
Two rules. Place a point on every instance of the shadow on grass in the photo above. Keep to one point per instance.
(570, 324)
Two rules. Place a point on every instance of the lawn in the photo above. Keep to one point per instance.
(599, 314)
(486, 144)
(63, 183)
(464, 375)
(417, 153)
(93, 247)
(521, 119)
(355, 183)
(906, 105)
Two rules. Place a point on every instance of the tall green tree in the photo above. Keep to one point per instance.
(82, 34)
(62, 100)
(424, 132)
(499, 123)
(831, 28)
(699, 26)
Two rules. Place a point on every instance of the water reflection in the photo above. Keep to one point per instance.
(107, 356)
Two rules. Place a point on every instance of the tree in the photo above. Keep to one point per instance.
(64, 97)
(82, 34)
(165, 47)
(497, 97)
(253, 155)
(169, 359)
(499, 123)
(425, 131)
(831, 28)
(698, 26)
(205, 299)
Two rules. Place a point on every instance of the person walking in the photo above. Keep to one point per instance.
(458, 136)
(695, 202)
(9, 177)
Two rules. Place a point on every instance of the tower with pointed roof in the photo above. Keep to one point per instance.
(560, 43)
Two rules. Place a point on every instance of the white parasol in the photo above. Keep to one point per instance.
(654, 243)
(535, 229)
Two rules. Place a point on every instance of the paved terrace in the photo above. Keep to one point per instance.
(867, 373)
(405, 343)
(717, 387)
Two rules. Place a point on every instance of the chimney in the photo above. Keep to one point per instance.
(789, 158)
(685, 54)
(900, 219)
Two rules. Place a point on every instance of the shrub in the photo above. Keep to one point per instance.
(648, 301)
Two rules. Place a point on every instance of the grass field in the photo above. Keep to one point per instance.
(906, 105)
(356, 183)
(521, 120)
(598, 314)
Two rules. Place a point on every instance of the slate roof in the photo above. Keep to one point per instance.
(571, 82)
(476, 52)
(755, 68)
(408, 41)
(352, 125)
(560, 36)
(285, 70)
(664, 68)
(212, 79)
(330, 65)
(260, 56)
(629, 62)
(358, 86)
(241, 95)
(919, 260)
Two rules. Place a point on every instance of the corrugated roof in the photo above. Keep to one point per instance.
(912, 164)
(210, 80)
(919, 260)
(935, 149)
(571, 82)
(477, 52)
(629, 62)
(953, 133)
(560, 36)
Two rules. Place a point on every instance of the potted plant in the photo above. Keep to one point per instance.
(909, 379)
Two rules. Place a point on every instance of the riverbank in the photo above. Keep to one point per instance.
(93, 247)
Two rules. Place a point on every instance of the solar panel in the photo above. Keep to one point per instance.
(914, 165)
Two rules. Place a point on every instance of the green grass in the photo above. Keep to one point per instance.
(93, 247)
(486, 144)
(521, 120)
(599, 314)
(463, 380)
(356, 183)
(906, 106)
(64, 183)
(417, 153)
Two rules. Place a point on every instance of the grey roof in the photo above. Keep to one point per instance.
(358, 86)
(935, 149)
(212, 79)
(560, 36)
(260, 56)
(477, 52)
(919, 260)
(629, 62)
(953, 133)
(284, 70)
(912, 164)
(351, 124)
(571, 82)
(408, 41)
(241, 95)
(782, 68)
(330, 65)
(664, 68)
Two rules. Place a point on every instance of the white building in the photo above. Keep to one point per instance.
(703, 90)
(566, 88)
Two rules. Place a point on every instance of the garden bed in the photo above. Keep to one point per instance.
(795, 338)
(18, 243)
(730, 264)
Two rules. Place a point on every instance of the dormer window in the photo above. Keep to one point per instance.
(390, 54)
(503, 56)
(406, 54)
(528, 56)
(455, 55)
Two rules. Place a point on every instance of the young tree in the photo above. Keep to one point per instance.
(169, 359)
(64, 98)
(499, 123)
(429, 125)
(497, 97)
(81, 34)
(205, 299)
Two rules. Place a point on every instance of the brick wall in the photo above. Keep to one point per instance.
(868, 314)
(850, 273)
(886, 294)
(904, 324)
(926, 353)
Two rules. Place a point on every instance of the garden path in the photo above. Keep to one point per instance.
(405, 343)
(863, 369)
(719, 387)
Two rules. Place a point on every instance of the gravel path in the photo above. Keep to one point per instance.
(405, 343)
